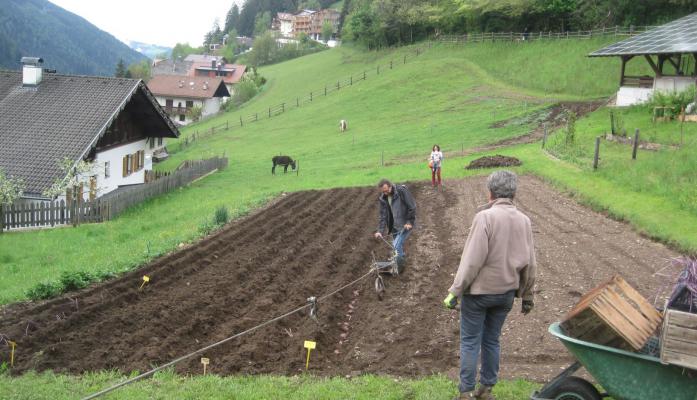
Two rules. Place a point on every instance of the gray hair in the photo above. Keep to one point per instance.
(502, 184)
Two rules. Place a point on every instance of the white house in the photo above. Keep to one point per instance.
(181, 96)
(671, 52)
(115, 124)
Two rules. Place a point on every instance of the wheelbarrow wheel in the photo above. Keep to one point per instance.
(574, 388)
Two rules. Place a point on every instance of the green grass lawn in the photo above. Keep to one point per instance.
(167, 385)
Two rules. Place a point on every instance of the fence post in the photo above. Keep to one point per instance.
(405, 59)
(390, 64)
(378, 69)
(2, 218)
(227, 126)
(256, 117)
(297, 102)
(597, 153)
(364, 75)
(612, 123)
(283, 107)
(351, 80)
(269, 112)
(338, 86)
(544, 136)
(310, 96)
(241, 120)
(636, 144)
(325, 90)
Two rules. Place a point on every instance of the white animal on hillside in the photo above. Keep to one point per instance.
(343, 125)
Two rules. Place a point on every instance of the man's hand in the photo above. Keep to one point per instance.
(378, 235)
(408, 226)
(450, 302)
(527, 307)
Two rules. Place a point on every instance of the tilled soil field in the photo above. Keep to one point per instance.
(309, 244)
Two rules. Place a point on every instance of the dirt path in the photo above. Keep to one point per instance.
(306, 245)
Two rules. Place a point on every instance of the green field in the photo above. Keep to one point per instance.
(166, 385)
(447, 95)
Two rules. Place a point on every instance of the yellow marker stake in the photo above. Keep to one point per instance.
(12, 353)
(309, 345)
(146, 279)
(205, 361)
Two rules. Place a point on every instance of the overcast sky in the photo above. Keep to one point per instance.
(152, 21)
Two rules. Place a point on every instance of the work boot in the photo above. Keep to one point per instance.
(466, 395)
(483, 392)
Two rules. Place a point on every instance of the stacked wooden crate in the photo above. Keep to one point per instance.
(679, 339)
(613, 314)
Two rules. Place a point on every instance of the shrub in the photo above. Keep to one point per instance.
(75, 280)
(44, 290)
(221, 216)
(205, 227)
(674, 100)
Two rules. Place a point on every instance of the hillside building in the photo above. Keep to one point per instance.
(181, 96)
(671, 52)
(309, 22)
(45, 118)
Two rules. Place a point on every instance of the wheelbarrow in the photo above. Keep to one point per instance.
(623, 374)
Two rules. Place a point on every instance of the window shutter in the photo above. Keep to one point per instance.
(125, 166)
(134, 163)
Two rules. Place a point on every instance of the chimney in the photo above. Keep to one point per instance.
(31, 71)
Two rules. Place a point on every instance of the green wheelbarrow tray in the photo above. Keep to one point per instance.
(623, 374)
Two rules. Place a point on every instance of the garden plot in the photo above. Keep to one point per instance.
(308, 244)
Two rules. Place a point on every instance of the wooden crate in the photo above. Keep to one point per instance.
(613, 314)
(679, 339)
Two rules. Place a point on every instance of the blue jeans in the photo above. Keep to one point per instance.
(481, 319)
(398, 241)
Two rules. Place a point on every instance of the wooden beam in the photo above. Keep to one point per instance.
(675, 64)
(624, 64)
(653, 65)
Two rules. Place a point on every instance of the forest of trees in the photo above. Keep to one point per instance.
(377, 23)
(67, 42)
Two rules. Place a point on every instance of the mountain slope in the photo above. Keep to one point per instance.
(66, 42)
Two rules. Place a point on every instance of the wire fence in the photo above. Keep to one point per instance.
(304, 99)
(311, 303)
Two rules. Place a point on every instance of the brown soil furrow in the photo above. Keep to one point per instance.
(307, 244)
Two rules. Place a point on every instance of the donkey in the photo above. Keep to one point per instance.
(285, 161)
(343, 125)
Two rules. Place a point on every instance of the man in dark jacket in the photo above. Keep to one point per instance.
(397, 214)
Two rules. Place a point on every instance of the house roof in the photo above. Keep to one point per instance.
(65, 116)
(679, 36)
(171, 67)
(196, 58)
(237, 71)
(284, 16)
(192, 87)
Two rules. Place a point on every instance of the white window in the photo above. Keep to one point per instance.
(107, 169)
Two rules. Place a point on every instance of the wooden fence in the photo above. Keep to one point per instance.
(531, 36)
(300, 100)
(107, 207)
(49, 214)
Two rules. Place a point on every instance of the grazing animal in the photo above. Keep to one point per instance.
(343, 125)
(285, 161)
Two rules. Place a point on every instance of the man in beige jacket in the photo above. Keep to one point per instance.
(497, 264)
